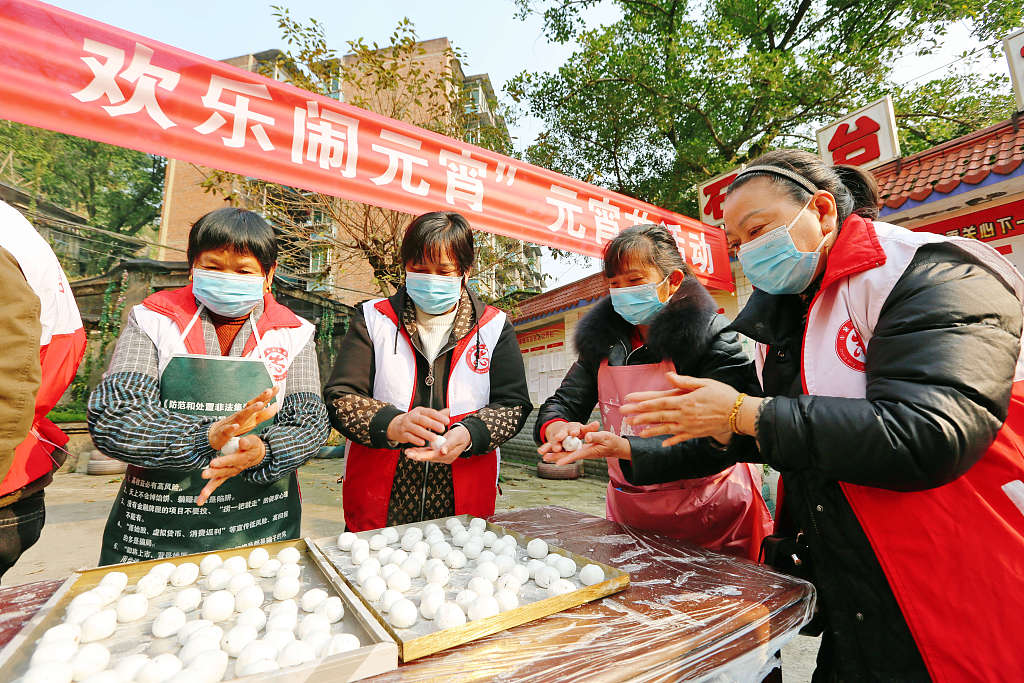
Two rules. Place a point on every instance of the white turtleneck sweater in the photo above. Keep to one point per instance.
(434, 331)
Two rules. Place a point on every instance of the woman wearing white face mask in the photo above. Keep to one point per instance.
(430, 361)
(894, 407)
(218, 365)
(657, 318)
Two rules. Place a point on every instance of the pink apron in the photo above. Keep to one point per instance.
(723, 512)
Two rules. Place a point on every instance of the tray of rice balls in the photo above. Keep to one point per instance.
(274, 612)
(438, 584)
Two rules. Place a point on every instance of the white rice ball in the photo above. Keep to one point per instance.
(486, 556)
(545, 576)
(400, 582)
(390, 534)
(331, 609)
(429, 604)
(72, 632)
(49, 672)
(270, 568)
(203, 641)
(289, 571)
(237, 639)
(185, 574)
(449, 615)
(284, 621)
(164, 569)
(160, 668)
(54, 651)
(258, 557)
(288, 555)
(507, 600)
(239, 582)
(398, 557)
(168, 622)
(504, 563)
(566, 567)
(151, 585)
(552, 559)
(115, 580)
(440, 550)
(99, 626)
(254, 616)
(520, 572)
(345, 540)
(218, 606)
(279, 638)
(210, 667)
(484, 607)
(480, 586)
(533, 565)
(488, 570)
(478, 523)
(456, 559)
(460, 538)
(209, 563)
(90, 658)
(188, 599)
(341, 642)
(423, 547)
(591, 574)
(489, 539)
(295, 653)
(473, 549)
(127, 667)
(509, 583)
(374, 588)
(431, 528)
(411, 568)
(286, 587)
(360, 554)
(560, 587)
(365, 572)
(259, 666)
(256, 650)
(312, 598)
(388, 598)
(191, 628)
(236, 564)
(384, 556)
(218, 579)
(402, 614)
(132, 607)
(466, 598)
(378, 541)
(248, 598)
(311, 623)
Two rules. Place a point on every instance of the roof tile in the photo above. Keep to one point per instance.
(562, 298)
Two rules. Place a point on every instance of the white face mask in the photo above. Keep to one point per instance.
(774, 265)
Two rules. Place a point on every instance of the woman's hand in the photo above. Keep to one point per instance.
(251, 451)
(244, 421)
(419, 426)
(457, 440)
(596, 445)
(556, 432)
(695, 408)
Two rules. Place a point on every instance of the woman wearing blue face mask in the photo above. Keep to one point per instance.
(657, 318)
(213, 398)
(893, 406)
(430, 361)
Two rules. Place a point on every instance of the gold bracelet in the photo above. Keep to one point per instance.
(734, 415)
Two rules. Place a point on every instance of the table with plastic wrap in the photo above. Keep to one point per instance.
(687, 614)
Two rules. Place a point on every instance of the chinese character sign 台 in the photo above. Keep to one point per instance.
(865, 138)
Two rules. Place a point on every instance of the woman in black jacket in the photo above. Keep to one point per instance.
(430, 361)
(891, 366)
(658, 317)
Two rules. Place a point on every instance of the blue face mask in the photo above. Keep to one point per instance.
(433, 294)
(227, 294)
(774, 265)
(637, 305)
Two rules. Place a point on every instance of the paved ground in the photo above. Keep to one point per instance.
(77, 507)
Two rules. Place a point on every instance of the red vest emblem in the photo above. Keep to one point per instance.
(850, 347)
(478, 358)
(276, 358)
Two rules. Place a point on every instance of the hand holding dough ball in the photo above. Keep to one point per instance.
(132, 607)
(571, 443)
(591, 574)
(484, 607)
(235, 564)
(258, 557)
(402, 614)
(560, 587)
(286, 587)
(449, 615)
(249, 597)
(345, 540)
(168, 622)
(289, 555)
(331, 609)
(185, 574)
(209, 563)
(99, 626)
(218, 606)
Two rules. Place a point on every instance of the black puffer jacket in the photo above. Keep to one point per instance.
(690, 333)
(939, 375)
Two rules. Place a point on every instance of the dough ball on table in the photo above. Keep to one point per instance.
(207, 667)
(537, 549)
(478, 523)
(258, 557)
(72, 632)
(249, 597)
(429, 604)
(290, 570)
(86, 600)
(91, 658)
(285, 607)
(374, 588)
(164, 569)
(453, 523)
(236, 564)
(486, 556)
(388, 598)
(440, 550)
(107, 593)
(412, 535)
(209, 563)
(533, 565)
(398, 557)
(489, 538)
(116, 580)
(218, 579)
(54, 651)
(510, 541)
(591, 574)
(289, 555)
(507, 550)
(312, 598)
(545, 576)
(128, 667)
(520, 572)
(360, 554)
(239, 582)
(508, 582)
(259, 666)
(460, 537)
(254, 616)
(466, 598)
(506, 600)
(318, 640)
(331, 609)
(99, 626)
(484, 607)
(390, 534)
(378, 541)
(151, 585)
(254, 651)
(402, 614)
(188, 599)
(49, 672)
(480, 586)
(400, 582)
(456, 559)
(504, 563)
(364, 572)
(159, 669)
(346, 539)
(185, 574)
(237, 639)
(191, 628)
(283, 621)
(387, 570)
(168, 622)
(341, 642)
(566, 567)
(423, 547)
(311, 623)
(371, 563)
(449, 615)
(552, 559)
(472, 549)
(488, 570)
(430, 541)
(431, 528)
(384, 556)
(218, 606)
(286, 587)
(279, 638)
(79, 613)
(418, 557)
(132, 607)
(295, 654)
(411, 568)
(560, 587)
(204, 641)
(438, 574)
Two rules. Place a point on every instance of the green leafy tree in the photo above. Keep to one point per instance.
(675, 92)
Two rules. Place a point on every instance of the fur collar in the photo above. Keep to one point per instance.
(681, 332)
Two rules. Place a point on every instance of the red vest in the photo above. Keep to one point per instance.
(953, 555)
(370, 472)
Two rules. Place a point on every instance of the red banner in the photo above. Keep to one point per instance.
(997, 222)
(68, 73)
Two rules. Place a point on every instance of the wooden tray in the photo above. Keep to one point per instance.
(380, 656)
(413, 646)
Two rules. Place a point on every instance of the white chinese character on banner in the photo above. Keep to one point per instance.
(606, 219)
(505, 173)
(329, 146)
(401, 157)
(238, 110)
(636, 217)
(567, 206)
(700, 253)
(465, 176)
(146, 77)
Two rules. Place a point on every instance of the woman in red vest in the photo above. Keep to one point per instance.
(894, 408)
(429, 361)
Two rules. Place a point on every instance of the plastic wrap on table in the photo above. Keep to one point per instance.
(688, 614)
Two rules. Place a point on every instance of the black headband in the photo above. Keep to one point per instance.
(780, 172)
